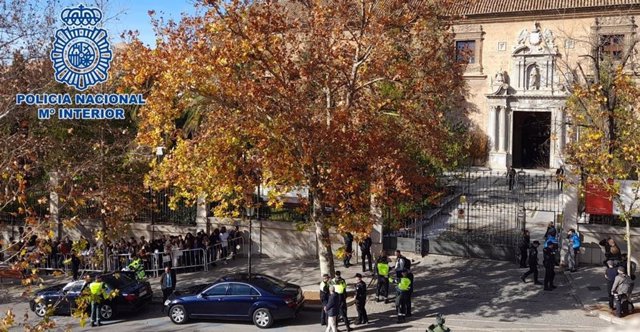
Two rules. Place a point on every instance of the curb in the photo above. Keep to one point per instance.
(590, 307)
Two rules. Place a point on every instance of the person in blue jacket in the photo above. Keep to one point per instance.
(331, 308)
(574, 249)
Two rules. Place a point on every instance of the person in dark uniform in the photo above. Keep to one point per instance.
(365, 248)
(533, 264)
(382, 271)
(408, 299)
(511, 175)
(560, 177)
(340, 286)
(402, 288)
(524, 248)
(348, 249)
(324, 298)
(361, 300)
(549, 262)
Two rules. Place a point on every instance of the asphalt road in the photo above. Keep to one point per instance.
(151, 319)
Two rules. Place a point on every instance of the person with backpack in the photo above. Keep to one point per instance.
(621, 290)
(402, 264)
(573, 249)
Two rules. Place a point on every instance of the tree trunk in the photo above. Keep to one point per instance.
(325, 254)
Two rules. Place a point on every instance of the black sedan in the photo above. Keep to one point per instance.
(61, 298)
(261, 299)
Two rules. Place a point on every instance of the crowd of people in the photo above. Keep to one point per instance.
(188, 251)
(620, 282)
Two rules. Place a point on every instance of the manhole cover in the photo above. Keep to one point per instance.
(594, 288)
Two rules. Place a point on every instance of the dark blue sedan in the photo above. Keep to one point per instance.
(261, 299)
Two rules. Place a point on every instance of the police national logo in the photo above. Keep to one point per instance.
(81, 53)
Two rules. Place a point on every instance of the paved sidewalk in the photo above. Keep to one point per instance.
(590, 288)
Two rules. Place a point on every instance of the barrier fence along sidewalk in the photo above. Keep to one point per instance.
(154, 263)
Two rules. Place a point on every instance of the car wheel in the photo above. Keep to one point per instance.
(40, 309)
(106, 312)
(178, 314)
(262, 318)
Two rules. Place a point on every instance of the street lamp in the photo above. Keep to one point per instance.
(250, 213)
(159, 155)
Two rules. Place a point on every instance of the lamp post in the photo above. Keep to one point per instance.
(159, 154)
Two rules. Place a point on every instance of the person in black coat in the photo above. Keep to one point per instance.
(549, 262)
(361, 300)
(365, 248)
(324, 297)
(168, 282)
(524, 247)
(331, 308)
(533, 264)
(610, 274)
(75, 265)
(348, 249)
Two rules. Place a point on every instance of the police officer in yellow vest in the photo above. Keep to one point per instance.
(382, 271)
(402, 299)
(340, 286)
(97, 294)
(324, 297)
(137, 266)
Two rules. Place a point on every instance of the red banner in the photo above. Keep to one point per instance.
(597, 199)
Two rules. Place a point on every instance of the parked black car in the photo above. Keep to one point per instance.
(261, 299)
(132, 296)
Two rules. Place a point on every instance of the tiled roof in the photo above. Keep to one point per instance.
(480, 7)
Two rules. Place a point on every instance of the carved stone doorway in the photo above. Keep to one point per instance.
(531, 139)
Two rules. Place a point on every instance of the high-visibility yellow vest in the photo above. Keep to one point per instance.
(404, 284)
(324, 286)
(383, 269)
(340, 286)
(96, 287)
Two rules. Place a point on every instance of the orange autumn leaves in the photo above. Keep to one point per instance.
(347, 98)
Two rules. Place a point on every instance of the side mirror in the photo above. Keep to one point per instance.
(202, 295)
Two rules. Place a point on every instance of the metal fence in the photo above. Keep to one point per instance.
(484, 208)
(187, 260)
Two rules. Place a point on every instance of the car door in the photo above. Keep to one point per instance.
(69, 295)
(239, 300)
(209, 303)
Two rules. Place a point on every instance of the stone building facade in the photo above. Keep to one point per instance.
(523, 57)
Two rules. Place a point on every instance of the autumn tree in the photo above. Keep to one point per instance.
(603, 113)
(346, 98)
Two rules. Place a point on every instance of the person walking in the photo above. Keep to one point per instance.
(560, 178)
(524, 248)
(511, 175)
(382, 272)
(168, 282)
(573, 249)
(348, 249)
(324, 298)
(549, 262)
(361, 300)
(97, 294)
(331, 309)
(224, 242)
(610, 274)
(533, 264)
(365, 248)
(340, 286)
(621, 290)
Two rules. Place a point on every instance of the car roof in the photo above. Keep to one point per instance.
(244, 277)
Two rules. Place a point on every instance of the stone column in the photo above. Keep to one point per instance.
(491, 129)
(502, 117)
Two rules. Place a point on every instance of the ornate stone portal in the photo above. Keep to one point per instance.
(532, 87)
